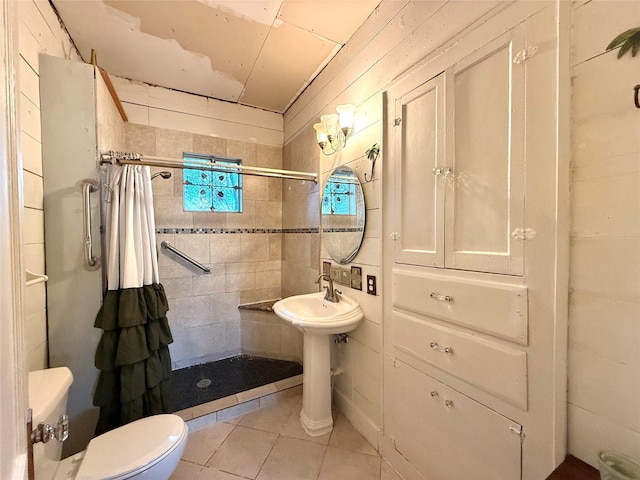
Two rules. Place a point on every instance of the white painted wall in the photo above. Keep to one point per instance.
(604, 316)
(163, 108)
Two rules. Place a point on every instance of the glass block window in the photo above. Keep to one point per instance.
(208, 191)
(339, 198)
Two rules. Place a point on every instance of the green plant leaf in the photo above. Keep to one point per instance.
(625, 47)
(622, 38)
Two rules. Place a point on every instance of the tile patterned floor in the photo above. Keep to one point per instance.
(270, 444)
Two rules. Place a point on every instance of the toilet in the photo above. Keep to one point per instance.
(147, 449)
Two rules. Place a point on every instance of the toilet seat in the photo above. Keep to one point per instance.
(132, 448)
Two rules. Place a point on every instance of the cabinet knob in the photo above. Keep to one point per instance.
(436, 346)
(442, 298)
(442, 171)
(436, 396)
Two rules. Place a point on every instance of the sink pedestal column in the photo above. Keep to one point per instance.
(315, 416)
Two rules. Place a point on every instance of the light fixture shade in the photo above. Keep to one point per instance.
(330, 125)
(346, 113)
(321, 134)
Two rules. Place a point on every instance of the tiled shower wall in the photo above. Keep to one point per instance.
(243, 250)
(301, 218)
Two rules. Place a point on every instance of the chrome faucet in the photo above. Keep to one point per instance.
(331, 294)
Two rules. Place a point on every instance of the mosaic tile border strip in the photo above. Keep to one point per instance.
(236, 230)
(351, 229)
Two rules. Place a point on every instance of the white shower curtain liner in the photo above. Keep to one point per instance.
(132, 259)
(133, 353)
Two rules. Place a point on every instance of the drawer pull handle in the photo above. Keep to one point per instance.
(442, 298)
(440, 348)
(436, 396)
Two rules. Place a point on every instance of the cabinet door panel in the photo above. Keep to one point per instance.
(420, 149)
(485, 199)
(459, 440)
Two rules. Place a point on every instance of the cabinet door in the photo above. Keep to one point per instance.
(447, 435)
(418, 195)
(485, 193)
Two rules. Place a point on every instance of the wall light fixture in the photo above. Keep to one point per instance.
(334, 129)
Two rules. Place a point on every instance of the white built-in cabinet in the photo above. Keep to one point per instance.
(459, 142)
(473, 375)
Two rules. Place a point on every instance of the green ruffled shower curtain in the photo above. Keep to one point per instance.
(133, 354)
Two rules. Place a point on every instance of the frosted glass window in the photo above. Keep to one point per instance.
(339, 198)
(207, 191)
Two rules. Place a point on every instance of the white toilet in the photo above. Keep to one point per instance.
(147, 449)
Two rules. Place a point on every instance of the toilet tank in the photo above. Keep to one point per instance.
(48, 401)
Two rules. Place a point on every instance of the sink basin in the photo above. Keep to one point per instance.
(313, 314)
(318, 319)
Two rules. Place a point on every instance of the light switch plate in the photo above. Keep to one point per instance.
(356, 278)
(335, 274)
(326, 268)
(345, 277)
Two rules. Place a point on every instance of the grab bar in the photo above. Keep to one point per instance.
(166, 245)
(90, 262)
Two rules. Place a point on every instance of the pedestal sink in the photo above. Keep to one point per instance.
(318, 319)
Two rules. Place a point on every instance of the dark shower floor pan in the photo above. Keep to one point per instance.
(203, 383)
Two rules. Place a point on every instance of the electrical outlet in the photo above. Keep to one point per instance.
(356, 278)
(371, 284)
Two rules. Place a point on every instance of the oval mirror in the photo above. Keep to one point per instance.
(343, 215)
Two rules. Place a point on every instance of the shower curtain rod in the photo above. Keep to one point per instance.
(126, 158)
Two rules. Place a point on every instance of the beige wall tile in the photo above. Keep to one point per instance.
(209, 145)
(225, 248)
(140, 138)
(254, 247)
(269, 157)
(236, 282)
(246, 219)
(255, 188)
(194, 245)
(190, 311)
(245, 151)
(268, 215)
(172, 143)
(275, 246)
(170, 214)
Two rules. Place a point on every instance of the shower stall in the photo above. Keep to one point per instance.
(225, 337)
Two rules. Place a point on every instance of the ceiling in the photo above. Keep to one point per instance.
(261, 53)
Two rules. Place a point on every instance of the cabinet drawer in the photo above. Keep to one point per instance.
(448, 436)
(494, 368)
(499, 309)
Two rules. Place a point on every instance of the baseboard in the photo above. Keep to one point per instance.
(370, 431)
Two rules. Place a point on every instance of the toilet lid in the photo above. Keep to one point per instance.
(132, 447)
